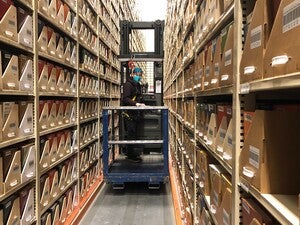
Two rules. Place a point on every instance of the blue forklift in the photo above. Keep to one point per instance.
(152, 139)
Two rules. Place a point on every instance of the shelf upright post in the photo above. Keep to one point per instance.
(36, 113)
(77, 104)
(237, 52)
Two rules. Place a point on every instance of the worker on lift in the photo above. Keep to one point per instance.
(132, 93)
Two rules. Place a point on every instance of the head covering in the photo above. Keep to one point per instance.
(137, 70)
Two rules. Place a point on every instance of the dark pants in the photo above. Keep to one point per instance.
(130, 125)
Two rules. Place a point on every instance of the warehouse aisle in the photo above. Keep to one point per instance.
(133, 206)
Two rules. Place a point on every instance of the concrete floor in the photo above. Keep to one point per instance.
(135, 205)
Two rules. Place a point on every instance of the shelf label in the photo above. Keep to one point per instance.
(291, 16)
(245, 88)
(256, 34)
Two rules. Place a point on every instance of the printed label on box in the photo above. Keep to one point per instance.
(291, 16)
(226, 219)
(256, 36)
(254, 156)
(228, 57)
(246, 207)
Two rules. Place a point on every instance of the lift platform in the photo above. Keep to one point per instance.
(154, 167)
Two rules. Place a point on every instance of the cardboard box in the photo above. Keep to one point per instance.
(62, 176)
(67, 50)
(43, 76)
(26, 116)
(28, 162)
(60, 112)
(60, 50)
(216, 62)
(61, 144)
(205, 218)
(248, 116)
(53, 148)
(43, 6)
(67, 83)
(55, 212)
(68, 142)
(216, 192)
(221, 134)
(26, 73)
(10, 71)
(209, 109)
(10, 119)
(283, 59)
(262, 154)
(27, 206)
(25, 26)
(11, 169)
(252, 212)
(45, 160)
(251, 67)
(51, 46)
(52, 118)
(216, 8)
(52, 10)
(67, 18)
(60, 17)
(42, 37)
(226, 68)
(208, 67)
(73, 59)
(224, 214)
(69, 206)
(228, 144)
(52, 82)
(203, 160)
(74, 24)
(53, 182)
(60, 76)
(63, 209)
(8, 20)
(11, 210)
(46, 219)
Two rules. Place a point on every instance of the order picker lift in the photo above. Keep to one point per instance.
(153, 128)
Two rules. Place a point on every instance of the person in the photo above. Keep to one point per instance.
(132, 97)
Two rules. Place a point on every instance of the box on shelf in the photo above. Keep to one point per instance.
(226, 67)
(45, 153)
(216, 8)
(62, 176)
(43, 76)
(53, 147)
(10, 120)
(248, 117)
(55, 212)
(10, 165)
(60, 112)
(26, 73)
(60, 77)
(28, 162)
(11, 210)
(224, 214)
(207, 66)
(209, 110)
(10, 71)
(46, 218)
(8, 20)
(60, 50)
(27, 206)
(228, 144)
(205, 218)
(51, 45)
(52, 10)
(212, 131)
(254, 214)
(251, 66)
(62, 202)
(25, 26)
(53, 182)
(216, 62)
(42, 37)
(283, 59)
(52, 117)
(26, 118)
(61, 144)
(217, 188)
(60, 17)
(262, 155)
(67, 18)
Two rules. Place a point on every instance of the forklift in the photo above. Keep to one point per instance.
(152, 139)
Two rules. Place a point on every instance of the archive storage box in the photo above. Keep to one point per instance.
(272, 141)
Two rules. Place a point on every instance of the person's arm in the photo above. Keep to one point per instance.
(127, 95)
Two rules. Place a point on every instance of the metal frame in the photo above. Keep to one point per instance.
(121, 178)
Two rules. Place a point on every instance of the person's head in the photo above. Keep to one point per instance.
(137, 74)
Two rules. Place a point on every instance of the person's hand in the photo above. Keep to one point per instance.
(140, 104)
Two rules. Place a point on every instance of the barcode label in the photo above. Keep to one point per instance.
(228, 57)
(216, 198)
(226, 220)
(291, 16)
(254, 156)
(229, 141)
(222, 134)
(256, 36)
(207, 71)
(217, 70)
